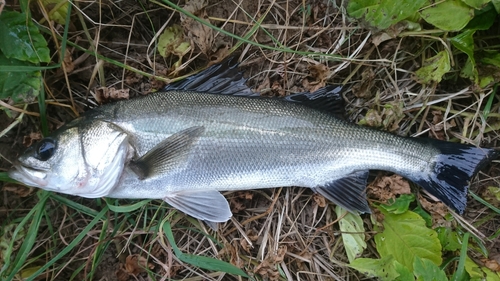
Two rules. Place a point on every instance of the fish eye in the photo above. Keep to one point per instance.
(45, 149)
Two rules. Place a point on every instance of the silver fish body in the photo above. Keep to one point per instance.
(184, 146)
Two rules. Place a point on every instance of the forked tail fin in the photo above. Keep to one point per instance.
(453, 169)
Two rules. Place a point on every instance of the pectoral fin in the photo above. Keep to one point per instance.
(348, 192)
(209, 206)
(168, 154)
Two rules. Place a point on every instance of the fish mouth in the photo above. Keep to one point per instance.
(25, 175)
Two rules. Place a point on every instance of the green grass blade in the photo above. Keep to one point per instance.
(126, 208)
(36, 217)
(67, 249)
(200, 261)
(460, 274)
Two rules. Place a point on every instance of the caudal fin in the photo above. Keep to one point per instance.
(453, 169)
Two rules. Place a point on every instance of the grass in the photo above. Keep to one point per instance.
(279, 234)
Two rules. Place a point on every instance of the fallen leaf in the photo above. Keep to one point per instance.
(364, 89)
(317, 77)
(21, 191)
(387, 187)
(491, 264)
(319, 199)
(199, 33)
(105, 94)
(28, 140)
(267, 268)
(438, 211)
(135, 264)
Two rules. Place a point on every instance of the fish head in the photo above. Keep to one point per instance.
(79, 159)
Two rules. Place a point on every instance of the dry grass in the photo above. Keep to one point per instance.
(275, 234)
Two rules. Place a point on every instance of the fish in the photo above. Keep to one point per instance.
(210, 133)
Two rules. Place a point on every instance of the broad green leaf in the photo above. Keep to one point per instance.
(353, 233)
(476, 4)
(450, 15)
(426, 216)
(58, 9)
(405, 237)
(473, 269)
(404, 273)
(496, 4)
(434, 69)
(382, 14)
(425, 269)
(491, 275)
(470, 71)
(483, 19)
(448, 238)
(381, 268)
(20, 39)
(20, 86)
(464, 42)
(492, 58)
(399, 205)
(171, 41)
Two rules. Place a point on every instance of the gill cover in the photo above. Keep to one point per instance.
(84, 159)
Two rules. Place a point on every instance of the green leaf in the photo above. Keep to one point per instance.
(381, 268)
(464, 42)
(382, 14)
(425, 269)
(20, 86)
(426, 216)
(405, 237)
(496, 4)
(492, 58)
(353, 233)
(171, 41)
(470, 71)
(20, 39)
(435, 68)
(483, 19)
(404, 273)
(200, 261)
(476, 4)
(399, 205)
(450, 15)
(58, 9)
(473, 269)
(448, 238)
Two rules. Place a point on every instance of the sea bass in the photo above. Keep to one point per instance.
(211, 133)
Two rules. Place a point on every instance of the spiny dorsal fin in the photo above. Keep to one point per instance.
(223, 78)
(168, 154)
(226, 79)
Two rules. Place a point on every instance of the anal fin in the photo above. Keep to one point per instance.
(209, 206)
(348, 192)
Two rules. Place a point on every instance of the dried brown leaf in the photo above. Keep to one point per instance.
(199, 33)
(364, 89)
(135, 264)
(21, 191)
(105, 94)
(387, 187)
(28, 140)
(267, 268)
(320, 200)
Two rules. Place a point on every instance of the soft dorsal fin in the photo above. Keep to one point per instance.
(223, 78)
(328, 99)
